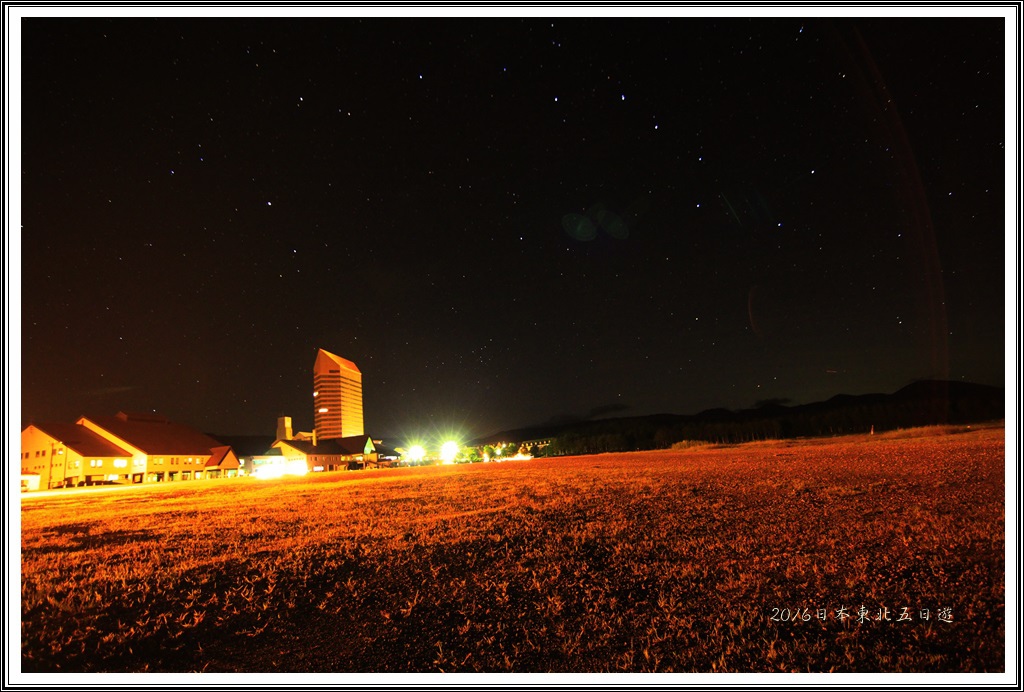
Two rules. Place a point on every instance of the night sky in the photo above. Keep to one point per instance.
(505, 221)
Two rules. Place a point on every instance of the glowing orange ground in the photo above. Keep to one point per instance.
(692, 560)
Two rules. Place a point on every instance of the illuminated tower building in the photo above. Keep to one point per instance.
(337, 397)
(284, 428)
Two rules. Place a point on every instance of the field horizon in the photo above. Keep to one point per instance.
(880, 553)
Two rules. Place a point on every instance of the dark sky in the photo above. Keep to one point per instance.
(504, 221)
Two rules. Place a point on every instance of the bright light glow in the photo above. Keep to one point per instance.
(449, 450)
(323, 410)
(278, 469)
(415, 453)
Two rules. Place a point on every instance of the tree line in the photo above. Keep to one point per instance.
(928, 404)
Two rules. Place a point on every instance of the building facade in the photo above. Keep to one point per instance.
(126, 448)
(337, 397)
(338, 454)
(65, 454)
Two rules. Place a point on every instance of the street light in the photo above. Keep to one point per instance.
(449, 450)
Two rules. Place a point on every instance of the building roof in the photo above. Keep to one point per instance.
(247, 445)
(324, 359)
(82, 440)
(219, 455)
(386, 451)
(154, 434)
(342, 446)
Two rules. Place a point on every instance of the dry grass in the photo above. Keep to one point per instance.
(655, 561)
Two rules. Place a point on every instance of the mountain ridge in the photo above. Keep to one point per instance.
(921, 402)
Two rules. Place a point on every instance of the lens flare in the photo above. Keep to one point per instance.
(449, 450)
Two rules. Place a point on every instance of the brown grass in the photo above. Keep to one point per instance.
(655, 561)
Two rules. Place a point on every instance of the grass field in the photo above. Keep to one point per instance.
(696, 560)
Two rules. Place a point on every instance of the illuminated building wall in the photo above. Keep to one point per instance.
(126, 448)
(335, 454)
(64, 454)
(162, 450)
(45, 456)
(284, 428)
(337, 397)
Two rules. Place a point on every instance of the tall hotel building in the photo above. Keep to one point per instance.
(337, 397)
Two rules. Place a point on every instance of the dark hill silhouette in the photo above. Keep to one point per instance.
(925, 402)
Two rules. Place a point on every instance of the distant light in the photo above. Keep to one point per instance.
(278, 469)
(416, 453)
(449, 450)
(322, 410)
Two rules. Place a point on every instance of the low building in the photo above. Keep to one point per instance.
(222, 463)
(337, 454)
(126, 448)
(274, 464)
(65, 454)
(162, 450)
(248, 448)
